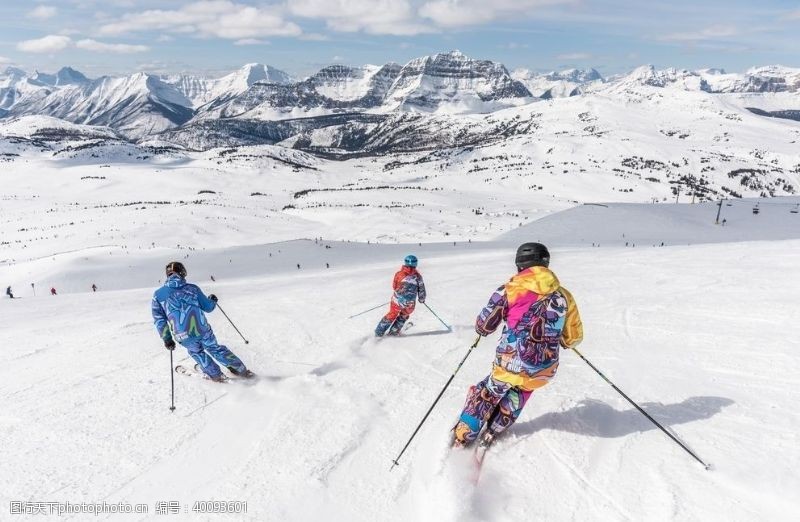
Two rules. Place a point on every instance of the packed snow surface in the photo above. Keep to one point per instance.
(702, 334)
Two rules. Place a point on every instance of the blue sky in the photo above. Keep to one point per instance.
(299, 36)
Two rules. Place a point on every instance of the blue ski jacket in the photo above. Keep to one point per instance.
(178, 309)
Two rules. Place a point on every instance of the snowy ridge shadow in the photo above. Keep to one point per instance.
(598, 419)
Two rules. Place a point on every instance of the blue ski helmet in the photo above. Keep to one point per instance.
(410, 260)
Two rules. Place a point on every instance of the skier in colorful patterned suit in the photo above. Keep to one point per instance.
(178, 313)
(408, 285)
(541, 316)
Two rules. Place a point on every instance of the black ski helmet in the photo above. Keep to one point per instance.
(176, 267)
(532, 254)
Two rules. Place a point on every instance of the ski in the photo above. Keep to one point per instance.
(480, 454)
(233, 376)
(403, 330)
(251, 375)
(194, 372)
(406, 327)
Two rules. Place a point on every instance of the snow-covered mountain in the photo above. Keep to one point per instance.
(201, 90)
(65, 76)
(345, 108)
(773, 78)
(447, 82)
(452, 82)
(648, 75)
(570, 82)
(343, 83)
(137, 106)
(15, 84)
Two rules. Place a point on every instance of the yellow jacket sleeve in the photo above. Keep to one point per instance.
(572, 334)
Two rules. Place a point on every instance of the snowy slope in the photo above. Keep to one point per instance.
(87, 392)
(633, 225)
(56, 129)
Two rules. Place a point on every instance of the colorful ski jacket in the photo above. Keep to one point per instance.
(408, 284)
(540, 316)
(178, 309)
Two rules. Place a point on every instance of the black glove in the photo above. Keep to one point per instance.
(213, 298)
(422, 300)
(169, 345)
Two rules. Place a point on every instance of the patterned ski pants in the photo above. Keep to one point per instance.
(202, 349)
(396, 318)
(491, 402)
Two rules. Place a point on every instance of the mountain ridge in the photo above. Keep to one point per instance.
(141, 106)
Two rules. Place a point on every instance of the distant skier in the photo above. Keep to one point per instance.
(407, 285)
(541, 316)
(94, 287)
(53, 290)
(9, 293)
(178, 313)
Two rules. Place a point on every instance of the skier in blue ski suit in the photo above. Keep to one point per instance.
(178, 313)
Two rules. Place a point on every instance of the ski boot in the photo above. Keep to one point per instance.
(486, 439)
(219, 378)
(459, 436)
(247, 374)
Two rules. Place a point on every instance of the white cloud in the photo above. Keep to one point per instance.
(314, 37)
(51, 43)
(410, 17)
(43, 12)
(513, 46)
(3, 59)
(459, 13)
(395, 17)
(54, 43)
(709, 33)
(573, 56)
(208, 18)
(102, 47)
(251, 41)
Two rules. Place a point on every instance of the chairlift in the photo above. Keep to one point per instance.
(795, 209)
(755, 209)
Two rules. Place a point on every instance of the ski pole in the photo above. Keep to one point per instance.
(395, 461)
(234, 326)
(371, 309)
(651, 419)
(439, 318)
(172, 380)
